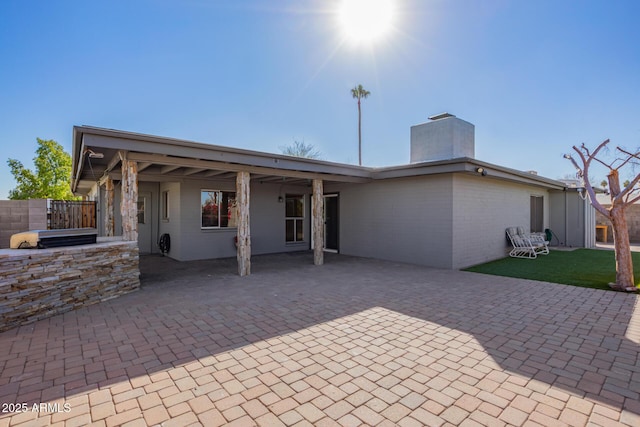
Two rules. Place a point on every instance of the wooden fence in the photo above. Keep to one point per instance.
(64, 214)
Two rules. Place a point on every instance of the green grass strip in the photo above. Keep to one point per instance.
(588, 268)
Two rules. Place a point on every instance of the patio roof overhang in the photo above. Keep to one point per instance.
(167, 159)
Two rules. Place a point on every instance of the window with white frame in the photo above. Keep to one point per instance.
(294, 218)
(218, 209)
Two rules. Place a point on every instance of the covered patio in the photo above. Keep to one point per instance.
(141, 181)
(358, 341)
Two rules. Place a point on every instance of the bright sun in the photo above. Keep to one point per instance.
(366, 20)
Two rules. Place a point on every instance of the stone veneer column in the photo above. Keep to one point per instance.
(244, 231)
(108, 208)
(129, 202)
(317, 220)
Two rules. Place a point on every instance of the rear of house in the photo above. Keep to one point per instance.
(444, 209)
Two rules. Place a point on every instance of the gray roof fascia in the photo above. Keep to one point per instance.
(76, 158)
(121, 140)
(418, 169)
(519, 176)
(468, 165)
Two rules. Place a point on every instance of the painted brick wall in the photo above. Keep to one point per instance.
(405, 219)
(21, 215)
(39, 283)
(483, 209)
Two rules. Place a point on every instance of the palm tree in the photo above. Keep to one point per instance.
(359, 92)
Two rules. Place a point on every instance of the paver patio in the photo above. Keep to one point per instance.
(354, 342)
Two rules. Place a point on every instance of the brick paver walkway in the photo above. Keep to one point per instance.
(354, 342)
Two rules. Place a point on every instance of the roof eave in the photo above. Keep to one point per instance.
(465, 165)
(129, 141)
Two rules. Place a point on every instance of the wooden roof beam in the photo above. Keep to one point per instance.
(192, 171)
(172, 163)
(169, 168)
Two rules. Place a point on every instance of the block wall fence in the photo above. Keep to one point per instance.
(17, 216)
(633, 223)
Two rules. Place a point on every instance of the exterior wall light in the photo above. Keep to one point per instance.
(93, 154)
(482, 171)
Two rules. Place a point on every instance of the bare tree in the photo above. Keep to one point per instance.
(621, 198)
(301, 149)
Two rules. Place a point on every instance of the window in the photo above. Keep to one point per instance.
(165, 205)
(218, 209)
(294, 207)
(537, 214)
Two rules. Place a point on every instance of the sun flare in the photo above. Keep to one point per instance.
(366, 20)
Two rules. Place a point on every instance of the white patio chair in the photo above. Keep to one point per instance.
(538, 241)
(523, 247)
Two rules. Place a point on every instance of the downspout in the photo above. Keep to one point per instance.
(566, 217)
(587, 227)
(76, 178)
(158, 219)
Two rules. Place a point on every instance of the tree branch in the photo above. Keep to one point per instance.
(629, 156)
(586, 161)
(607, 165)
(632, 201)
(628, 190)
(629, 194)
(598, 148)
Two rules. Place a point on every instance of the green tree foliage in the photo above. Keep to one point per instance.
(51, 178)
(301, 149)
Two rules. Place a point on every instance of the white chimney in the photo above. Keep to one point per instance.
(443, 137)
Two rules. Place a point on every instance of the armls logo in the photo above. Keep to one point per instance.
(51, 407)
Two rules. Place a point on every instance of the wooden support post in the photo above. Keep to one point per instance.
(129, 202)
(108, 208)
(244, 233)
(317, 220)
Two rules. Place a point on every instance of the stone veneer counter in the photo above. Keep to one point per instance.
(39, 283)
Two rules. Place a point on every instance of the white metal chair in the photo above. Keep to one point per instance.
(524, 246)
(538, 241)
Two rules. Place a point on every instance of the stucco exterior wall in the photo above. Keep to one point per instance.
(482, 209)
(407, 220)
(267, 221)
(17, 216)
(268, 218)
(196, 242)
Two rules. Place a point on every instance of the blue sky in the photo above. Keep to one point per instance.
(535, 77)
